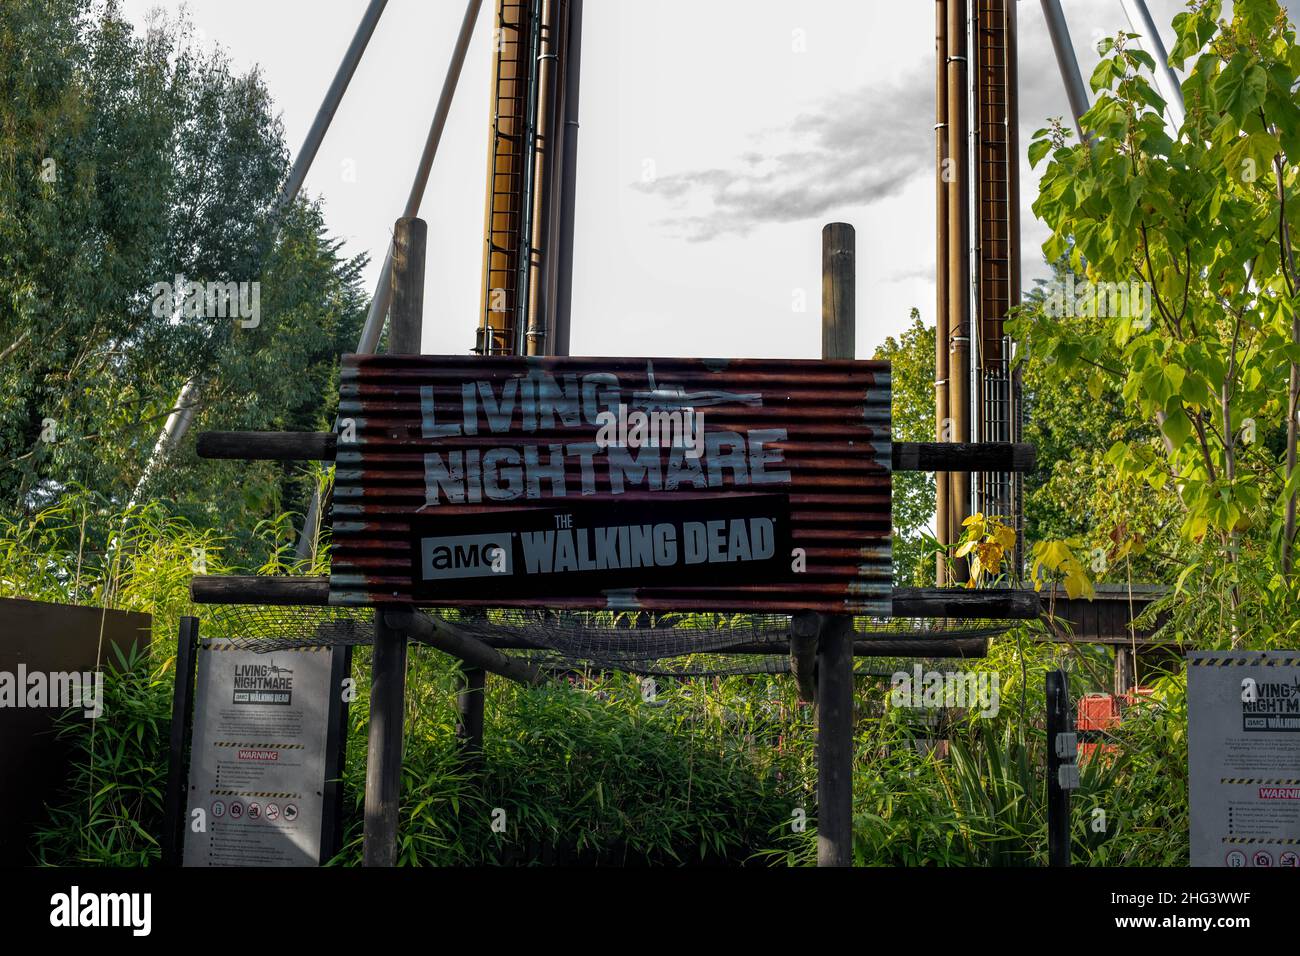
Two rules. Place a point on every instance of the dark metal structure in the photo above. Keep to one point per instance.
(1062, 771)
(528, 230)
(978, 253)
(996, 157)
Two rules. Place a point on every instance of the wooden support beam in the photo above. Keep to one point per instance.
(963, 647)
(933, 456)
(259, 589)
(940, 456)
(971, 604)
(804, 629)
(268, 446)
(469, 703)
(187, 650)
(388, 661)
(434, 631)
(834, 682)
(1125, 677)
(968, 603)
(384, 754)
(835, 742)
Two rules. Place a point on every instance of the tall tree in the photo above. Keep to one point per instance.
(128, 164)
(1073, 419)
(1202, 220)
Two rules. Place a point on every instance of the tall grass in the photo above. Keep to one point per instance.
(713, 770)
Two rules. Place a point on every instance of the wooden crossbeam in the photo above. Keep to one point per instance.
(268, 446)
(960, 603)
(907, 455)
(434, 631)
(963, 456)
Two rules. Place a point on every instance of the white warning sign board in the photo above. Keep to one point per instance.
(1243, 742)
(260, 756)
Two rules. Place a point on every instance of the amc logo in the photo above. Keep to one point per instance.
(465, 556)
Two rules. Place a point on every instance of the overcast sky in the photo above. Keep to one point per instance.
(717, 137)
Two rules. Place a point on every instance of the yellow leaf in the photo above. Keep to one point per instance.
(1077, 583)
(990, 555)
(1095, 384)
(1054, 554)
(1073, 586)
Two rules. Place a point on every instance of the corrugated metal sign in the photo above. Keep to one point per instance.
(622, 483)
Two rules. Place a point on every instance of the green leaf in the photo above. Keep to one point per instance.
(1103, 75)
(1251, 158)
(1177, 427)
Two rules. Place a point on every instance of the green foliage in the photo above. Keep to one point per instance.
(1200, 219)
(1145, 794)
(912, 359)
(126, 161)
(168, 164)
(586, 771)
(711, 770)
(111, 809)
(1073, 420)
(984, 803)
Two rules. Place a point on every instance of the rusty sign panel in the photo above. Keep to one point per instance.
(613, 483)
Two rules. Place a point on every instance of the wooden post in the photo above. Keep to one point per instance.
(805, 629)
(1125, 670)
(388, 668)
(433, 630)
(469, 702)
(835, 743)
(384, 757)
(174, 821)
(835, 643)
(406, 320)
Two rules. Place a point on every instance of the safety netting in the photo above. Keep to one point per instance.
(637, 642)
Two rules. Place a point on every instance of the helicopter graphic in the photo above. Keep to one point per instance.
(658, 397)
